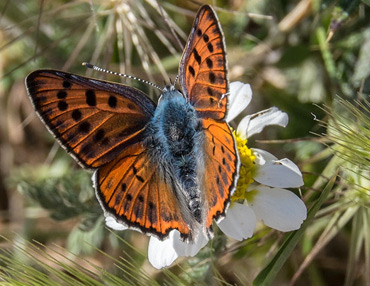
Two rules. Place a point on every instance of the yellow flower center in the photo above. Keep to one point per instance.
(247, 169)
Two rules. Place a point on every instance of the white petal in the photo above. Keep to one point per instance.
(278, 208)
(262, 156)
(277, 173)
(253, 124)
(189, 249)
(162, 253)
(239, 223)
(240, 97)
(112, 223)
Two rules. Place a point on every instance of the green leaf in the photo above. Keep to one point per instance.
(268, 274)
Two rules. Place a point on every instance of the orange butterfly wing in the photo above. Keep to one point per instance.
(102, 125)
(203, 77)
(222, 168)
(203, 72)
(138, 194)
(93, 120)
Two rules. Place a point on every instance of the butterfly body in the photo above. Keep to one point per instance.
(174, 137)
(157, 168)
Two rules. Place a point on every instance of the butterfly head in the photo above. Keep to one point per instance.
(170, 92)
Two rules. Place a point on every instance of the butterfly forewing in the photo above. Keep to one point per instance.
(203, 72)
(94, 120)
(138, 194)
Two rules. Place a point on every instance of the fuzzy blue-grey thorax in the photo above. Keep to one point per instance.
(174, 138)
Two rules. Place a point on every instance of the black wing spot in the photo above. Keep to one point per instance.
(61, 94)
(210, 47)
(141, 198)
(90, 97)
(209, 91)
(209, 63)
(62, 105)
(140, 178)
(99, 135)
(205, 38)
(66, 84)
(212, 77)
(197, 57)
(112, 101)
(199, 32)
(123, 187)
(76, 115)
(84, 127)
(191, 70)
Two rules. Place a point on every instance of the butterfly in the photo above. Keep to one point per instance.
(157, 167)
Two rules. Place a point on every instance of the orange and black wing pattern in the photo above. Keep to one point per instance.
(204, 80)
(93, 120)
(203, 67)
(140, 194)
(222, 168)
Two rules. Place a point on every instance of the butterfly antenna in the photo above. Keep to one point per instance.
(177, 77)
(94, 67)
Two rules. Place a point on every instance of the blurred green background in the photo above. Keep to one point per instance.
(301, 56)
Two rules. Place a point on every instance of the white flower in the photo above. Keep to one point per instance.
(260, 194)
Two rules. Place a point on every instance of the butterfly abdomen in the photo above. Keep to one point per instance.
(175, 139)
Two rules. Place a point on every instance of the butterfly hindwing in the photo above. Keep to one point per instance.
(203, 72)
(221, 172)
(138, 194)
(93, 119)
